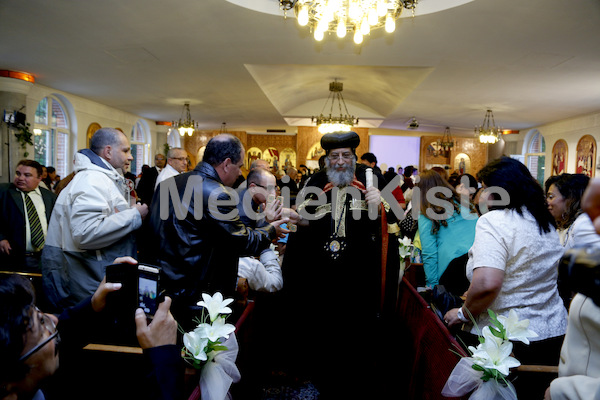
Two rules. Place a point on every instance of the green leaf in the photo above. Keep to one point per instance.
(478, 367)
(496, 333)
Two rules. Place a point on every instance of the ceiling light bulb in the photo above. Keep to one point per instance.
(390, 24)
(365, 28)
(318, 35)
(372, 16)
(328, 13)
(358, 37)
(322, 26)
(303, 16)
(381, 8)
(341, 28)
(354, 11)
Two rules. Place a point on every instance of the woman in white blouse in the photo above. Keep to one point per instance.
(513, 265)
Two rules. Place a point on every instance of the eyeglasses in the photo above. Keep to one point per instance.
(180, 158)
(337, 156)
(269, 188)
(48, 323)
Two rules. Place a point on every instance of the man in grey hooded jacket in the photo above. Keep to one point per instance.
(92, 223)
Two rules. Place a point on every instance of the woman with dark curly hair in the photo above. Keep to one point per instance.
(563, 195)
(513, 266)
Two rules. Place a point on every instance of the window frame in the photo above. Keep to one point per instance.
(58, 135)
(540, 172)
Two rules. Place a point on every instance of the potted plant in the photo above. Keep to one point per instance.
(24, 136)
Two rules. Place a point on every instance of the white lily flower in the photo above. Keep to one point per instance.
(405, 247)
(494, 353)
(196, 345)
(215, 331)
(515, 329)
(406, 241)
(404, 252)
(215, 305)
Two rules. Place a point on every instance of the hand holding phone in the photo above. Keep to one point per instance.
(140, 287)
(148, 289)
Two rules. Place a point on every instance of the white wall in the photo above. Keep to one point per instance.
(570, 130)
(86, 112)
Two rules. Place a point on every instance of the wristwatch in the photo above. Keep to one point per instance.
(461, 316)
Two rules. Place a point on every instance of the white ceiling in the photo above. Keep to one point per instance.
(532, 62)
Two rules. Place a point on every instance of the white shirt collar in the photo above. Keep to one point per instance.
(36, 190)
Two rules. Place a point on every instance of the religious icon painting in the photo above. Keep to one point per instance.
(315, 152)
(92, 128)
(200, 154)
(560, 152)
(586, 156)
(288, 158)
(462, 164)
(271, 155)
(253, 154)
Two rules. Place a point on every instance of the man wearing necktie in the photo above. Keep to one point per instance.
(25, 210)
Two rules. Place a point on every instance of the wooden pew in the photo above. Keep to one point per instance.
(429, 349)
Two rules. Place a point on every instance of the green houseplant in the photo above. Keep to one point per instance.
(24, 136)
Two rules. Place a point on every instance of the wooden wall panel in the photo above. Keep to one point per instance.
(476, 152)
(199, 139)
(308, 136)
(301, 143)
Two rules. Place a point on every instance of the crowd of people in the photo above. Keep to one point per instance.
(321, 246)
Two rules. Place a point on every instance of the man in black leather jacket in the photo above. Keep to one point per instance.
(198, 235)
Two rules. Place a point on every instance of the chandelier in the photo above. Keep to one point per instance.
(187, 124)
(343, 123)
(447, 142)
(488, 132)
(342, 16)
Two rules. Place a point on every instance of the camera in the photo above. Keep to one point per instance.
(141, 287)
(579, 271)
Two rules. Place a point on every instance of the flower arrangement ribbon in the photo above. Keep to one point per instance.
(220, 372)
(212, 348)
(486, 370)
(465, 379)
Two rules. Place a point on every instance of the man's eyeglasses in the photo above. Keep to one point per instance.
(48, 323)
(268, 188)
(337, 156)
(180, 158)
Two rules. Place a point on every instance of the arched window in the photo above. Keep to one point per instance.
(536, 157)
(173, 138)
(139, 146)
(51, 135)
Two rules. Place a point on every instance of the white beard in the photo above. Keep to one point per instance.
(340, 178)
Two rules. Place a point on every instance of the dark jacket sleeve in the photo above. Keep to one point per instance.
(165, 378)
(76, 324)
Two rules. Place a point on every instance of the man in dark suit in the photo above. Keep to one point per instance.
(25, 210)
(145, 188)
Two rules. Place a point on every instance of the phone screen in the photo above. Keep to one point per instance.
(148, 289)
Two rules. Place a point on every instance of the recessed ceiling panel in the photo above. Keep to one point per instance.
(424, 7)
(369, 92)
